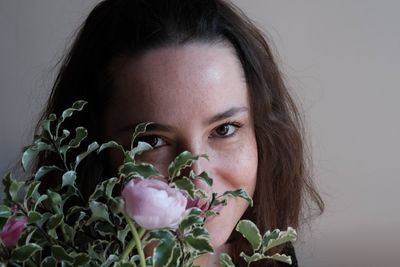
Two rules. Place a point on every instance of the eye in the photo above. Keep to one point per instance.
(153, 140)
(226, 130)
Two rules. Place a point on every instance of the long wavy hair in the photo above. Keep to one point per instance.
(117, 29)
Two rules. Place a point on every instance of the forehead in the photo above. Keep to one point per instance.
(166, 82)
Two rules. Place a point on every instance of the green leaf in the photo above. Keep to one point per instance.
(139, 129)
(176, 257)
(69, 231)
(80, 134)
(5, 211)
(32, 151)
(55, 200)
(104, 229)
(240, 193)
(65, 134)
(252, 258)
(45, 217)
(60, 254)
(11, 187)
(110, 260)
(125, 264)
(23, 253)
(250, 231)
(32, 191)
(54, 221)
(190, 221)
(204, 177)
(257, 256)
(109, 186)
(202, 245)
(49, 261)
(225, 260)
(69, 178)
(142, 170)
(116, 205)
(121, 235)
(270, 235)
(163, 253)
(76, 106)
(99, 212)
(186, 185)
(283, 237)
(43, 170)
(46, 124)
(200, 232)
(157, 235)
(92, 147)
(139, 149)
(81, 259)
(34, 216)
(29, 231)
(110, 144)
(39, 201)
(182, 161)
(105, 188)
(200, 193)
(210, 213)
(281, 257)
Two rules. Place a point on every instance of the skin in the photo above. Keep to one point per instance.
(198, 98)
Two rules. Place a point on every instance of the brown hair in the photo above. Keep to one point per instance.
(125, 28)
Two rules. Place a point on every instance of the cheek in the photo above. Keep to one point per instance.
(239, 169)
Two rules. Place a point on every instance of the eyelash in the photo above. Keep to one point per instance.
(214, 134)
(236, 126)
(151, 137)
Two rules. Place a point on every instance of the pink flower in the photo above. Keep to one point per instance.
(12, 231)
(153, 204)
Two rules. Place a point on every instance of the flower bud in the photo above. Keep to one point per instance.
(153, 204)
(12, 231)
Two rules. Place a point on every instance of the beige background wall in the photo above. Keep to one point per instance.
(341, 59)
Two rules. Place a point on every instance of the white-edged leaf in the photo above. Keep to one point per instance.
(283, 237)
(92, 147)
(69, 178)
(250, 231)
(240, 193)
(80, 134)
(23, 253)
(140, 148)
(31, 152)
(281, 257)
(43, 170)
(225, 260)
(139, 129)
(182, 161)
(110, 144)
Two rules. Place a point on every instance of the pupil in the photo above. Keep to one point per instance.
(223, 130)
(151, 140)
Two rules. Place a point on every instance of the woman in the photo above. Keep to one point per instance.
(205, 75)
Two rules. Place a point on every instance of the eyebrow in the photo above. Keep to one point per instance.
(153, 126)
(166, 128)
(226, 114)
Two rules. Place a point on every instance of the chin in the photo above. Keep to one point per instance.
(220, 228)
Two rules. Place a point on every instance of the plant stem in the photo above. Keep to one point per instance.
(134, 242)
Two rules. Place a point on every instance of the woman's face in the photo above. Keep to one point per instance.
(197, 97)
